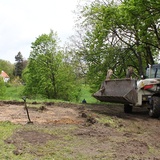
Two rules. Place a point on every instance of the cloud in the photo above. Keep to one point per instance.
(23, 21)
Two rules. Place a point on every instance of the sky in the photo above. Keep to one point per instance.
(22, 21)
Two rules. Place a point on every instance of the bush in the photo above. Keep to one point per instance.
(2, 87)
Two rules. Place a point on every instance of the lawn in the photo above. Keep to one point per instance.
(15, 93)
(87, 95)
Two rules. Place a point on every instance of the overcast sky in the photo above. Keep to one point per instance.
(22, 21)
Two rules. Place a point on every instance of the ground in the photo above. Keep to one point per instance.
(84, 131)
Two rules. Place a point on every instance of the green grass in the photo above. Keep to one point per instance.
(87, 95)
(6, 130)
(15, 93)
(60, 148)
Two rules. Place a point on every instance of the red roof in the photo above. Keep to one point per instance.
(4, 74)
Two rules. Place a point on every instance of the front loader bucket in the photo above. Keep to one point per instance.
(118, 91)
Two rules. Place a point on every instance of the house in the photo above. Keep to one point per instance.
(5, 76)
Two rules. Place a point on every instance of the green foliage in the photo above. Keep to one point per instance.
(14, 92)
(17, 81)
(48, 74)
(67, 84)
(118, 35)
(19, 64)
(7, 67)
(2, 87)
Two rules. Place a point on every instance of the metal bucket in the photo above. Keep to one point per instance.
(119, 91)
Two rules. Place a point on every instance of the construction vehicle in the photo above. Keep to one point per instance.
(134, 93)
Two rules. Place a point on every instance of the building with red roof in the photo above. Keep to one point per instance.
(5, 76)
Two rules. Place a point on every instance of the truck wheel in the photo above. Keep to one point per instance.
(155, 109)
(127, 108)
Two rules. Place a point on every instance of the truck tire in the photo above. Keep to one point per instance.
(154, 111)
(127, 108)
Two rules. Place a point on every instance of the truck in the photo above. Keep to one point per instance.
(144, 92)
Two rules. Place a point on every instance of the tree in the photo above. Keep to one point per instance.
(47, 73)
(19, 64)
(116, 35)
(7, 67)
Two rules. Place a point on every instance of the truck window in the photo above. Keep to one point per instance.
(158, 73)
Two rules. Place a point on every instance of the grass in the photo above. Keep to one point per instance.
(6, 130)
(61, 148)
(107, 120)
(15, 93)
(87, 95)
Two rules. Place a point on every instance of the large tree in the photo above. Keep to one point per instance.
(119, 34)
(47, 73)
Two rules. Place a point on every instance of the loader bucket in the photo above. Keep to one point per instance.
(118, 91)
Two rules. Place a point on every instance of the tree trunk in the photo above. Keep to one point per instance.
(149, 57)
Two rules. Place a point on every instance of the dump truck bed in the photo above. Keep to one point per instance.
(118, 91)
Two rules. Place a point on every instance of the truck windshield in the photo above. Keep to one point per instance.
(154, 73)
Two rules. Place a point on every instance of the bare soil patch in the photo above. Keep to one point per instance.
(39, 113)
(94, 131)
